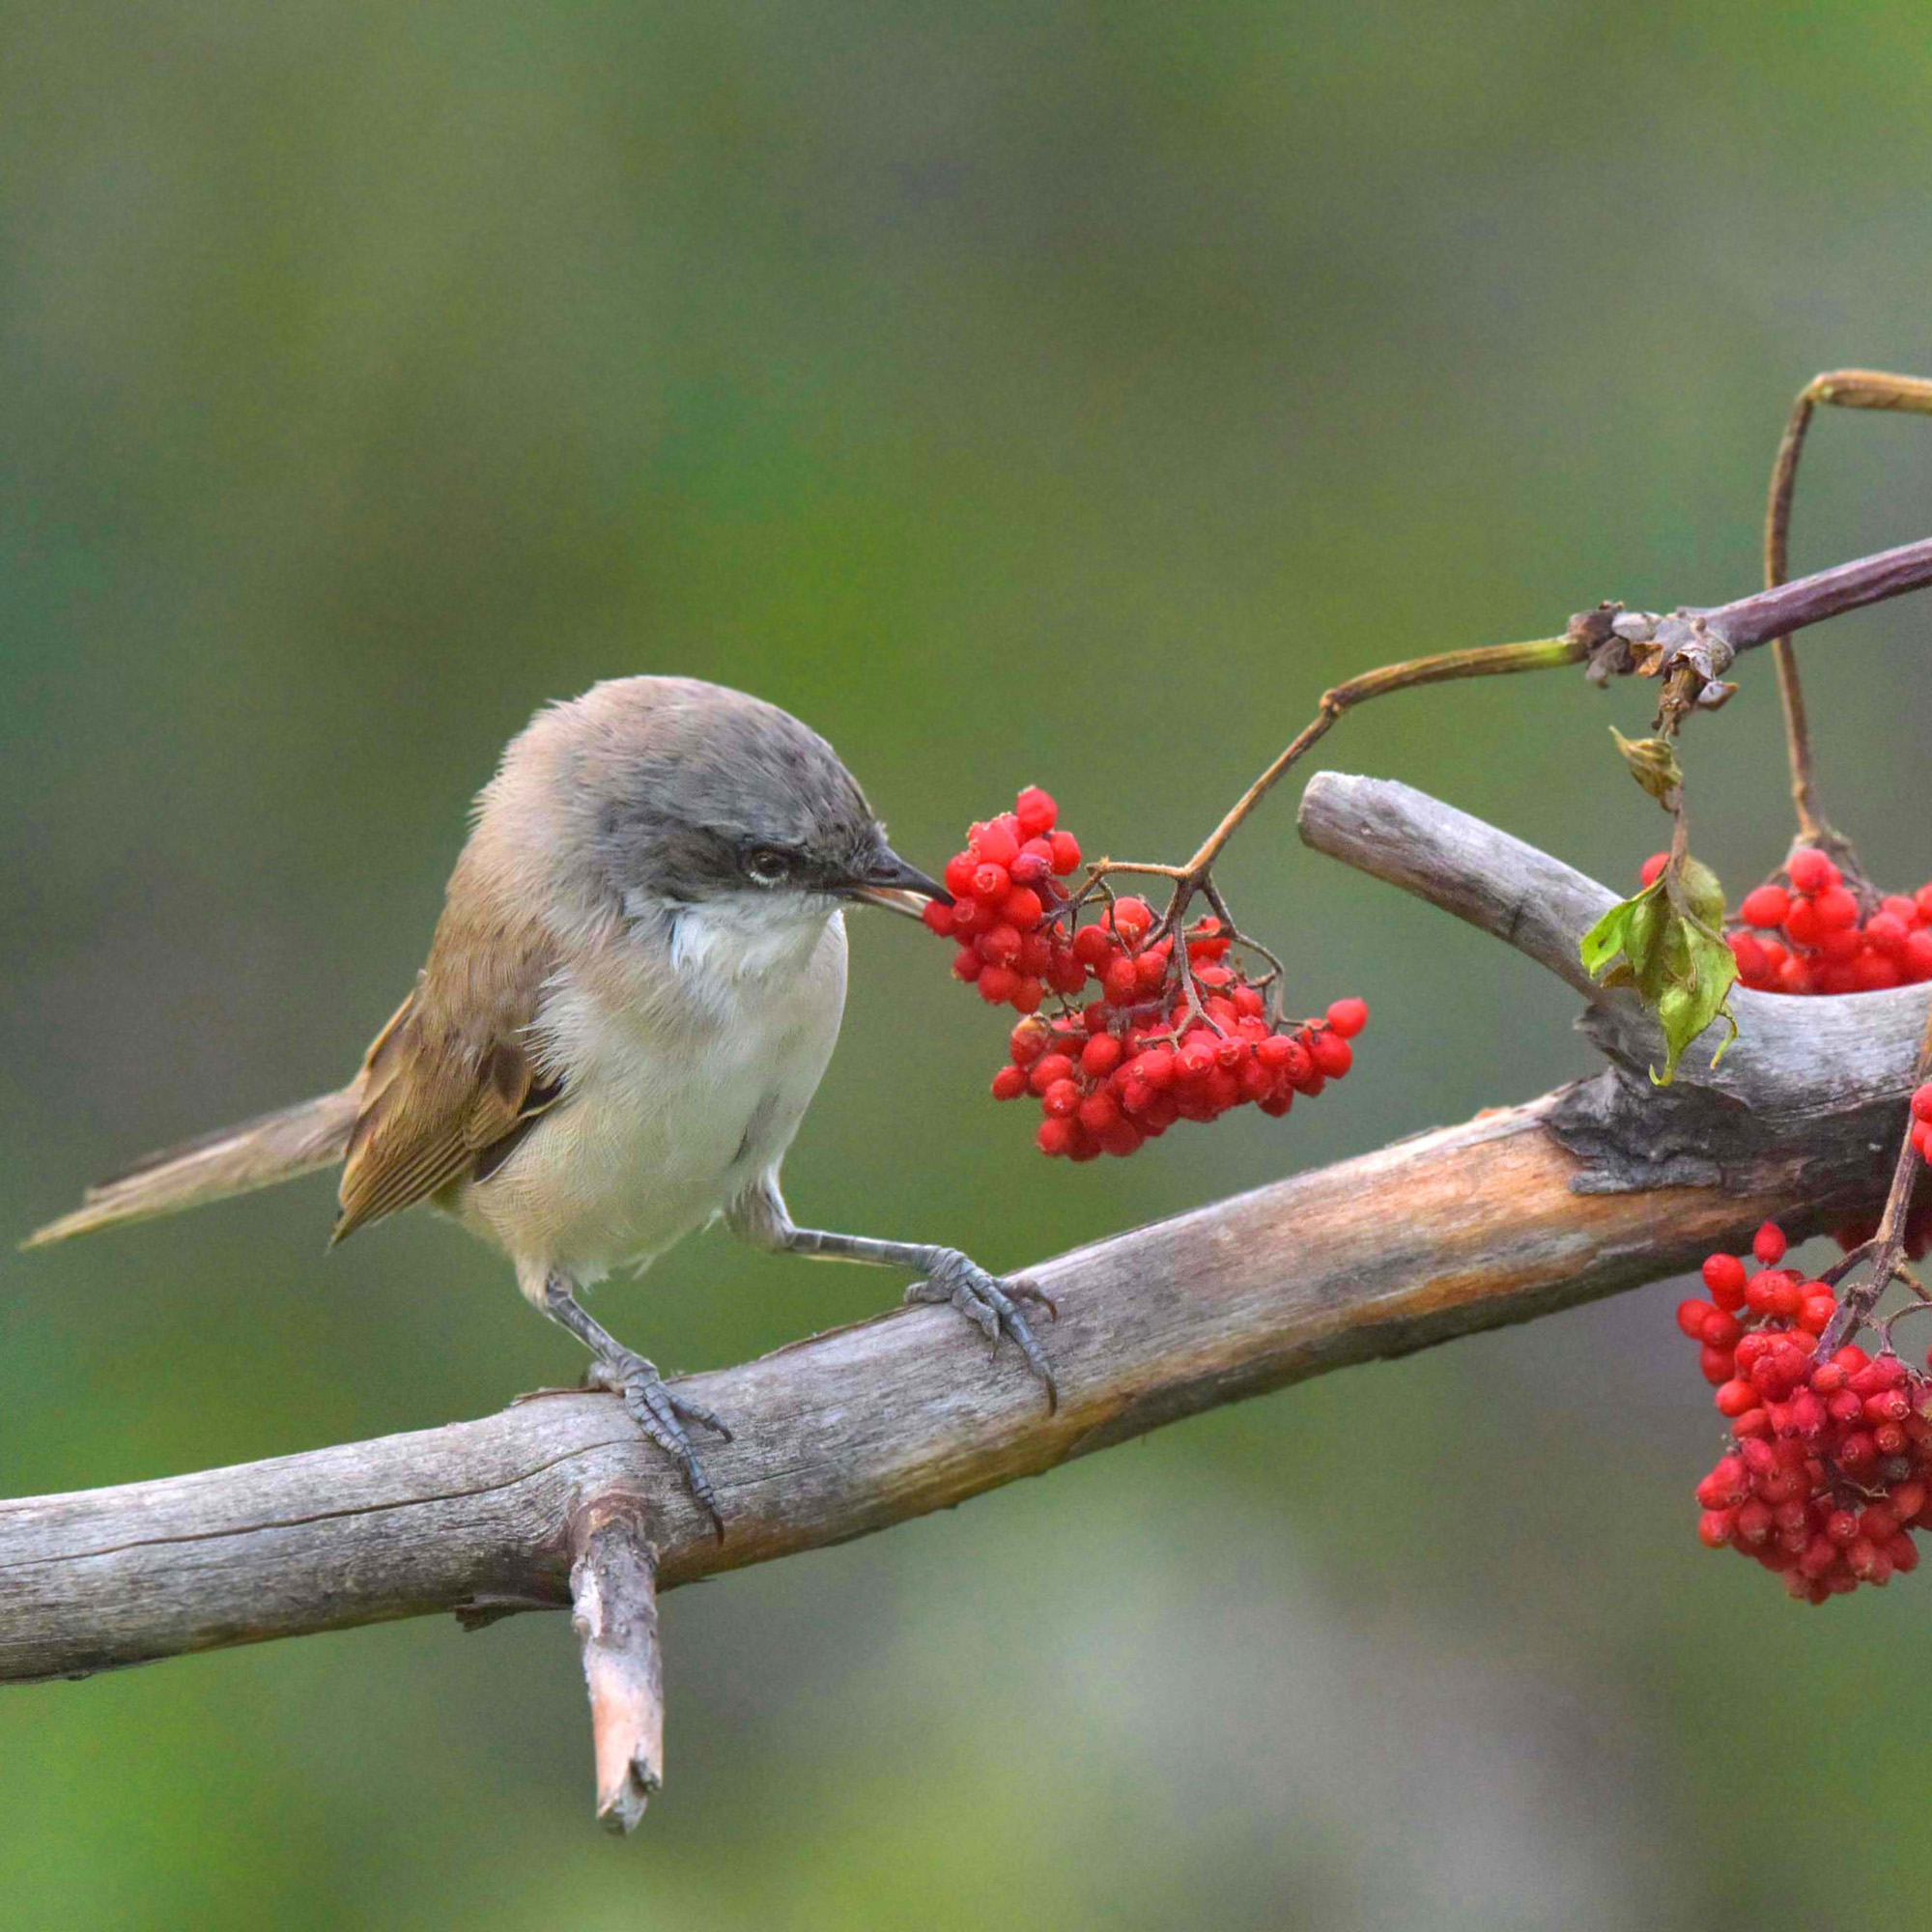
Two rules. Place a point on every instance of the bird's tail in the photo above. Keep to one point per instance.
(257, 1154)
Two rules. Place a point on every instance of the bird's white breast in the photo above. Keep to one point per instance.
(689, 1050)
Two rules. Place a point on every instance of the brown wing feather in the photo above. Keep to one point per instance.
(450, 1077)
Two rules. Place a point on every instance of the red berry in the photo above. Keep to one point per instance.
(1028, 1041)
(1722, 1330)
(1207, 940)
(1717, 1365)
(1060, 1098)
(1099, 1055)
(1837, 909)
(996, 843)
(998, 984)
(1810, 872)
(1735, 1397)
(1714, 1529)
(1814, 1317)
(1332, 1054)
(1725, 1276)
(1009, 1083)
(1765, 907)
(1035, 811)
(1000, 946)
(1768, 1244)
(1652, 868)
(1196, 1059)
(1754, 967)
(1047, 1069)
(1888, 933)
(1021, 907)
(1874, 973)
(1093, 946)
(1065, 975)
(1347, 1017)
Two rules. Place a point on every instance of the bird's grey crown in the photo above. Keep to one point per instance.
(692, 787)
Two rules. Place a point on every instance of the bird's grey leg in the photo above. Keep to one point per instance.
(649, 1403)
(947, 1276)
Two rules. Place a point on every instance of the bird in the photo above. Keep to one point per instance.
(629, 999)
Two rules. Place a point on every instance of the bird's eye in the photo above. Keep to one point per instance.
(767, 866)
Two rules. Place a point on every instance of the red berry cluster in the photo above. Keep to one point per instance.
(1005, 895)
(1141, 1053)
(1814, 936)
(1829, 1469)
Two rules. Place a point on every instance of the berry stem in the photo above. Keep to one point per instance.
(1445, 667)
(1845, 388)
(1195, 875)
(1743, 624)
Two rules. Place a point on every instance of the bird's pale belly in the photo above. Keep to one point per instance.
(674, 1124)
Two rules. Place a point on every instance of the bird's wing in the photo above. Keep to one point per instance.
(450, 1079)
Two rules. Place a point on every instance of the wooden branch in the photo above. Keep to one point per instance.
(1827, 1071)
(1792, 1060)
(1515, 1215)
(1508, 888)
(613, 1592)
(1747, 622)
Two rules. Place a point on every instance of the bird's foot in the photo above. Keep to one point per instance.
(993, 1304)
(662, 1415)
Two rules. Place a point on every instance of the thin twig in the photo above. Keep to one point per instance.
(1888, 1245)
(1846, 389)
(1748, 622)
(1743, 624)
(1812, 828)
(1446, 666)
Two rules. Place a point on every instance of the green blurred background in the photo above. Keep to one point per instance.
(1018, 392)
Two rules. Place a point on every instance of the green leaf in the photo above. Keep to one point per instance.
(1688, 1006)
(1668, 943)
(1606, 939)
(1697, 884)
(1648, 945)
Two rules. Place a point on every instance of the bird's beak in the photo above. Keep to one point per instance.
(889, 881)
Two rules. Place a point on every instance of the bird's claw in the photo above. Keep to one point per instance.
(993, 1306)
(649, 1403)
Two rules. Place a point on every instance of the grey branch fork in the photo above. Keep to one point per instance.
(557, 1503)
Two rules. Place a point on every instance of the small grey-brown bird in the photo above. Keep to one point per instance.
(632, 994)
